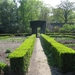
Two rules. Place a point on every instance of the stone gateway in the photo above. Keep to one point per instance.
(35, 24)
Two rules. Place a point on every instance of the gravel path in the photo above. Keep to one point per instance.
(39, 64)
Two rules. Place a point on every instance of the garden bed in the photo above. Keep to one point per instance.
(69, 42)
(7, 46)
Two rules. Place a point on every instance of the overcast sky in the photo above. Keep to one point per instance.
(55, 2)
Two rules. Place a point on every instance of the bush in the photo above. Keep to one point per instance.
(47, 31)
(20, 58)
(64, 57)
(4, 37)
(67, 28)
(8, 51)
(3, 67)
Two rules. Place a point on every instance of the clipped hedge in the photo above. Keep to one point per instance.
(3, 37)
(3, 67)
(20, 58)
(60, 35)
(64, 57)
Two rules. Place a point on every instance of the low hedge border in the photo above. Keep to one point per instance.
(64, 57)
(60, 35)
(20, 58)
(4, 37)
(3, 67)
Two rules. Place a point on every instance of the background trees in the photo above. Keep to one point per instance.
(7, 15)
(67, 28)
(28, 11)
(15, 15)
(44, 12)
(64, 12)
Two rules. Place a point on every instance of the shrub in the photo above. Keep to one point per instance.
(64, 57)
(8, 51)
(4, 37)
(67, 28)
(20, 58)
(3, 67)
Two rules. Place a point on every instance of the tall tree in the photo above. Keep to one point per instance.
(45, 12)
(67, 8)
(57, 15)
(8, 15)
(28, 11)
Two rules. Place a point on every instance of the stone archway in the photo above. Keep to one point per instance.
(35, 24)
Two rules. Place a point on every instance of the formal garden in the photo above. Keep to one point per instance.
(66, 39)
(59, 49)
(25, 22)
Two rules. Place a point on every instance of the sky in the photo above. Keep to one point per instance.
(53, 3)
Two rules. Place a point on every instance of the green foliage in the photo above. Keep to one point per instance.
(8, 16)
(45, 12)
(47, 31)
(3, 37)
(20, 58)
(8, 51)
(15, 16)
(28, 11)
(67, 28)
(63, 56)
(3, 67)
(64, 12)
(56, 29)
(57, 17)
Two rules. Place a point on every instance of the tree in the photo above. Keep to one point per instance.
(67, 28)
(44, 12)
(28, 11)
(8, 18)
(57, 17)
(15, 18)
(67, 9)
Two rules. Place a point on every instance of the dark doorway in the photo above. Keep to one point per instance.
(35, 24)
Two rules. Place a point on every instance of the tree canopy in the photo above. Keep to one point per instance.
(15, 15)
(64, 12)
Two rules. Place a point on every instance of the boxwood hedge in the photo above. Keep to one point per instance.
(64, 57)
(3, 67)
(19, 59)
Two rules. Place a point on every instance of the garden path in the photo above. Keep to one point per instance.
(38, 64)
